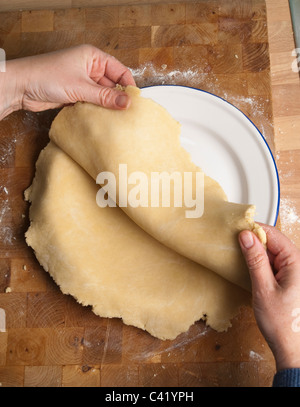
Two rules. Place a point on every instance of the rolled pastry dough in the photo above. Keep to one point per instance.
(103, 259)
(146, 138)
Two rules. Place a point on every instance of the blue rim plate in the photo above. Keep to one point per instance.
(226, 144)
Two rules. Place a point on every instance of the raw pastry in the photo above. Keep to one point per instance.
(146, 138)
(102, 258)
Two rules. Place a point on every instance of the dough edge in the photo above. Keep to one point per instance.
(33, 239)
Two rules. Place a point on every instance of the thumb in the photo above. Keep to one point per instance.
(257, 260)
(106, 97)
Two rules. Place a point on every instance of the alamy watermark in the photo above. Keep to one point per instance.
(2, 320)
(2, 60)
(296, 62)
(160, 189)
(296, 321)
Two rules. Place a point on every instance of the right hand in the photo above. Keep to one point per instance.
(275, 277)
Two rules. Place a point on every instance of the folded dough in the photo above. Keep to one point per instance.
(103, 259)
(146, 138)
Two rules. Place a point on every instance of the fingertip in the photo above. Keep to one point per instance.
(246, 239)
(257, 260)
(122, 101)
(111, 98)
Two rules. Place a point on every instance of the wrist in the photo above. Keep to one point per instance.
(11, 88)
(287, 363)
(287, 359)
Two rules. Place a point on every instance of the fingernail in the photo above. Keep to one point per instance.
(122, 101)
(246, 239)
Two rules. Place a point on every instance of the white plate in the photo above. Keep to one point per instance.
(226, 145)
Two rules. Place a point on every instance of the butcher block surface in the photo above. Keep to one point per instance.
(46, 338)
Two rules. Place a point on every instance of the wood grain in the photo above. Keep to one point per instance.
(285, 87)
(226, 47)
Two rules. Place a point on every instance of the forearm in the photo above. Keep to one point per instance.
(11, 89)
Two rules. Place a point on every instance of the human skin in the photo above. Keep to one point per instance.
(275, 277)
(47, 81)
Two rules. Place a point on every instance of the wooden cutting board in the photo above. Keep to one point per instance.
(46, 338)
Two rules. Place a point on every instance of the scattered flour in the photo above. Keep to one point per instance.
(16, 130)
(255, 355)
(289, 217)
(150, 75)
(288, 213)
(6, 232)
(179, 344)
(8, 153)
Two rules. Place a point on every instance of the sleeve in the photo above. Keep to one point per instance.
(287, 378)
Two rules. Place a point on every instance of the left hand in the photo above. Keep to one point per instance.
(81, 73)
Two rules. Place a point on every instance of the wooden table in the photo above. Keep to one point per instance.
(223, 47)
(286, 110)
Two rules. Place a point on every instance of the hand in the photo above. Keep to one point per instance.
(82, 73)
(275, 276)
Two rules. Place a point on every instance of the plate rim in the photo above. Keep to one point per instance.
(245, 116)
